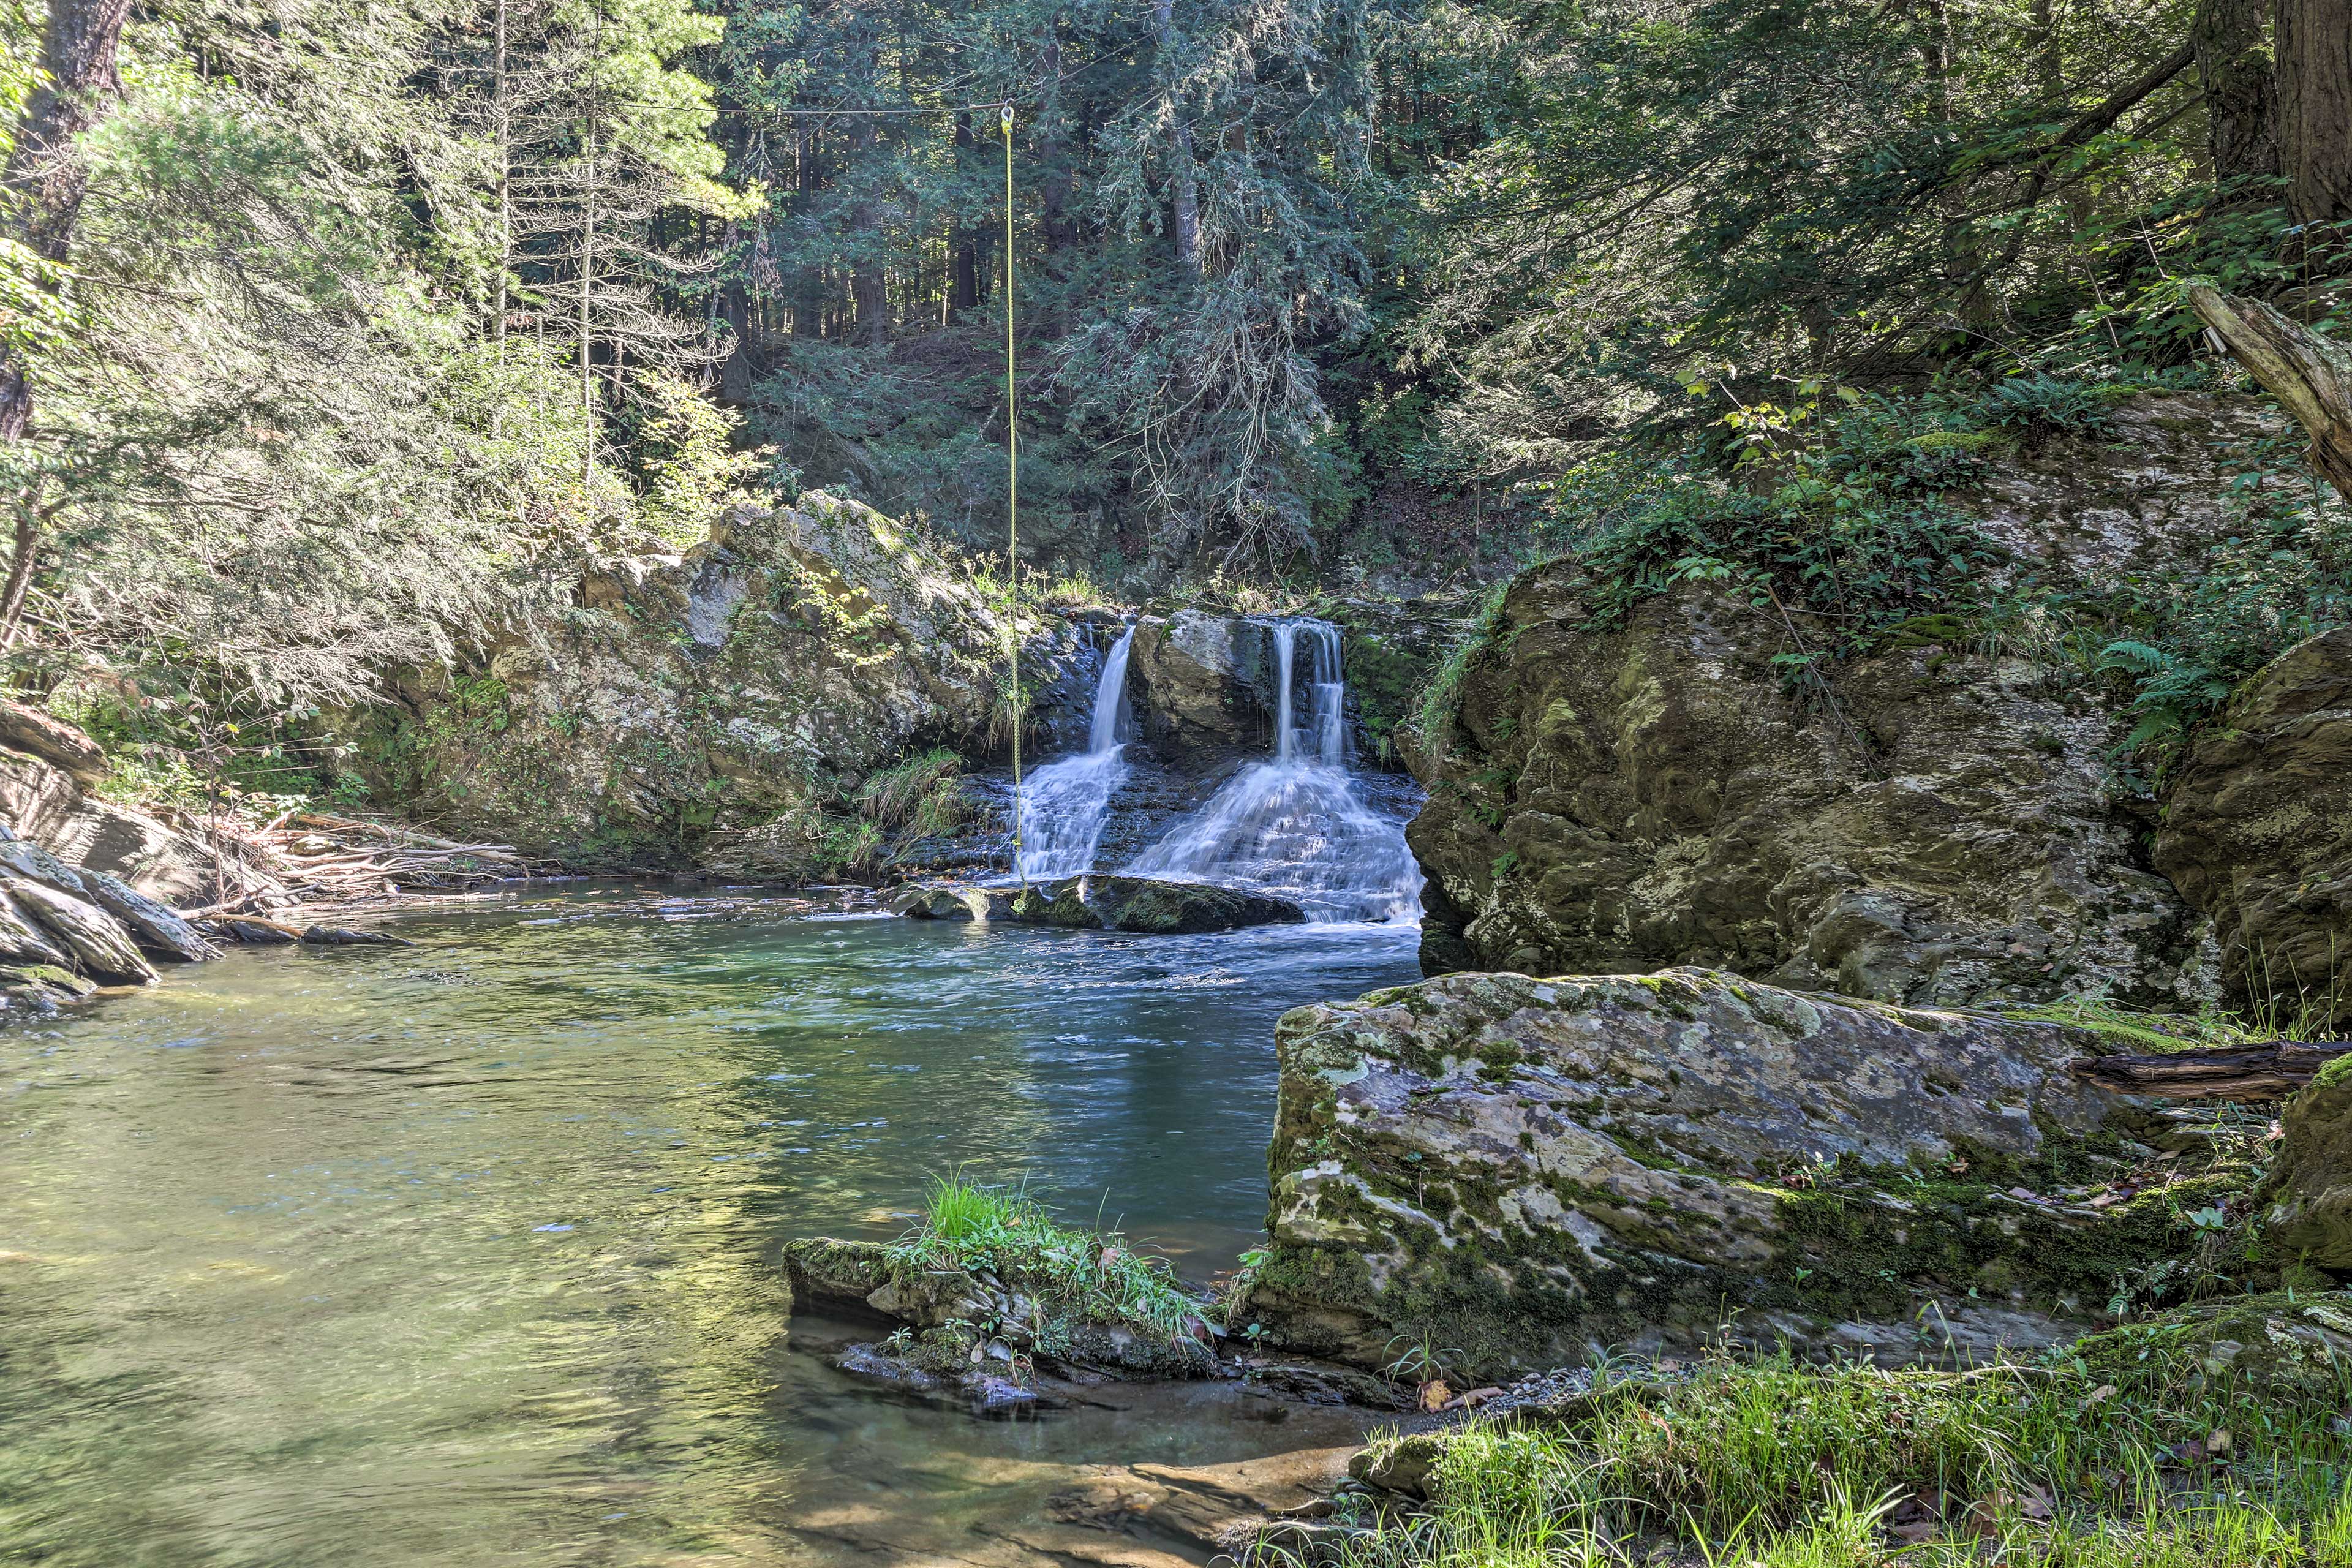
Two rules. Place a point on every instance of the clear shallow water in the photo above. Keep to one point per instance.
(466, 1253)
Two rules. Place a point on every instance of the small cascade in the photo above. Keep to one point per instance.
(1064, 805)
(1296, 825)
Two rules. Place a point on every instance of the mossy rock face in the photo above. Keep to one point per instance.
(2257, 832)
(2289, 1349)
(1926, 824)
(2310, 1186)
(1526, 1171)
(717, 710)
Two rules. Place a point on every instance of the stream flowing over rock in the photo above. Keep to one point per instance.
(2257, 833)
(1526, 1171)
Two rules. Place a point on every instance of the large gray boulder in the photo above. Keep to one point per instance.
(2257, 832)
(1523, 1171)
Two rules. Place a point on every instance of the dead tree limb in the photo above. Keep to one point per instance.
(2250, 1072)
(2309, 374)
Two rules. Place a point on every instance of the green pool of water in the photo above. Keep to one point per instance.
(466, 1253)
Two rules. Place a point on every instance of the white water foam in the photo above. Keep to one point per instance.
(1065, 805)
(1296, 825)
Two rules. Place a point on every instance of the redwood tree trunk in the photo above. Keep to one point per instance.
(2241, 93)
(2314, 101)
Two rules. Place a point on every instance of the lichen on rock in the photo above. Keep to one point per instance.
(2257, 833)
(1524, 1171)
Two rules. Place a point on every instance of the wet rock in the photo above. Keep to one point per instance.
(2257, 832)
(249, 931)
(1136, 904)
(1525, 1171)
(345, 936)
(2310, 1184)
(825, 1270)
(95, 942)
(40, 987)
(1937, 827)
(1207, 682)
(159, 931)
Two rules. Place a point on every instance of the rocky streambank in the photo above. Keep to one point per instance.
(1529, 1171)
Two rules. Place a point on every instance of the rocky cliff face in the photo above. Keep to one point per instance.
(699, 710)
(1936, 828)
(1934, 823)
(2257, 832)
(1525, 1169)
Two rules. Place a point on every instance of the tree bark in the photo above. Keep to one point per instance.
(78, 45)
(963, 285)
(2314, 47)
(2234, 70)
(2252, 1072)
(1184, 182)
(808, 312)
(2310, 375)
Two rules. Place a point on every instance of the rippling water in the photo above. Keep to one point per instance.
(465, 1253)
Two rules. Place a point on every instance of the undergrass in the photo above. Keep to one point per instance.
(2133, 1029)
(1765, 1464)
(1077, 1275)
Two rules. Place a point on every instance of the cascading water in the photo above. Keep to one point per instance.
(1297, 826)
(1064, 805)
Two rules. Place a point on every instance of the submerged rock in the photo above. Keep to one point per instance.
(1098, 902)
(1523, 1171)
(2257, 832)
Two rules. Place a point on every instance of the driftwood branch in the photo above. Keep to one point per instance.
(2309, 374)
(2251, 1072)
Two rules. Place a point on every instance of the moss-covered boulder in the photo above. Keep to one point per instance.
(719, 710)
(1520, 1170)
(2283, 1349)
(1938, 827)
(2257, 832)
(1028, 1309)
(2309, 1218)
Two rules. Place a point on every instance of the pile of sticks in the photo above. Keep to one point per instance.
(307, 857)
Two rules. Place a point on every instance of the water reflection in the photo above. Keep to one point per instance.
(465, 1253)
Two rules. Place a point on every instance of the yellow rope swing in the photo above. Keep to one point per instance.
(1011, 498)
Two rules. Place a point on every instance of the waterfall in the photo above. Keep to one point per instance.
(1064, 805)
(1296, 825)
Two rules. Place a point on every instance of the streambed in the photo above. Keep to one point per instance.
(465, 1253)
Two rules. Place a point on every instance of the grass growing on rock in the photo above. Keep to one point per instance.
(1089, 1276)
(2125, 1452)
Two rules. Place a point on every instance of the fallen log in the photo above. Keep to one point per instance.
(2244, 1072)
(2309, 374)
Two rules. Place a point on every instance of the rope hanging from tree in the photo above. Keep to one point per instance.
(1012, 497)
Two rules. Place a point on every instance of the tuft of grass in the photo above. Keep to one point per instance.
(1077, 1275)
(1767, 1464)
(2133, 1029)
(911, 791)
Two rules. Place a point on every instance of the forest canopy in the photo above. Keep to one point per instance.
(339, 337)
